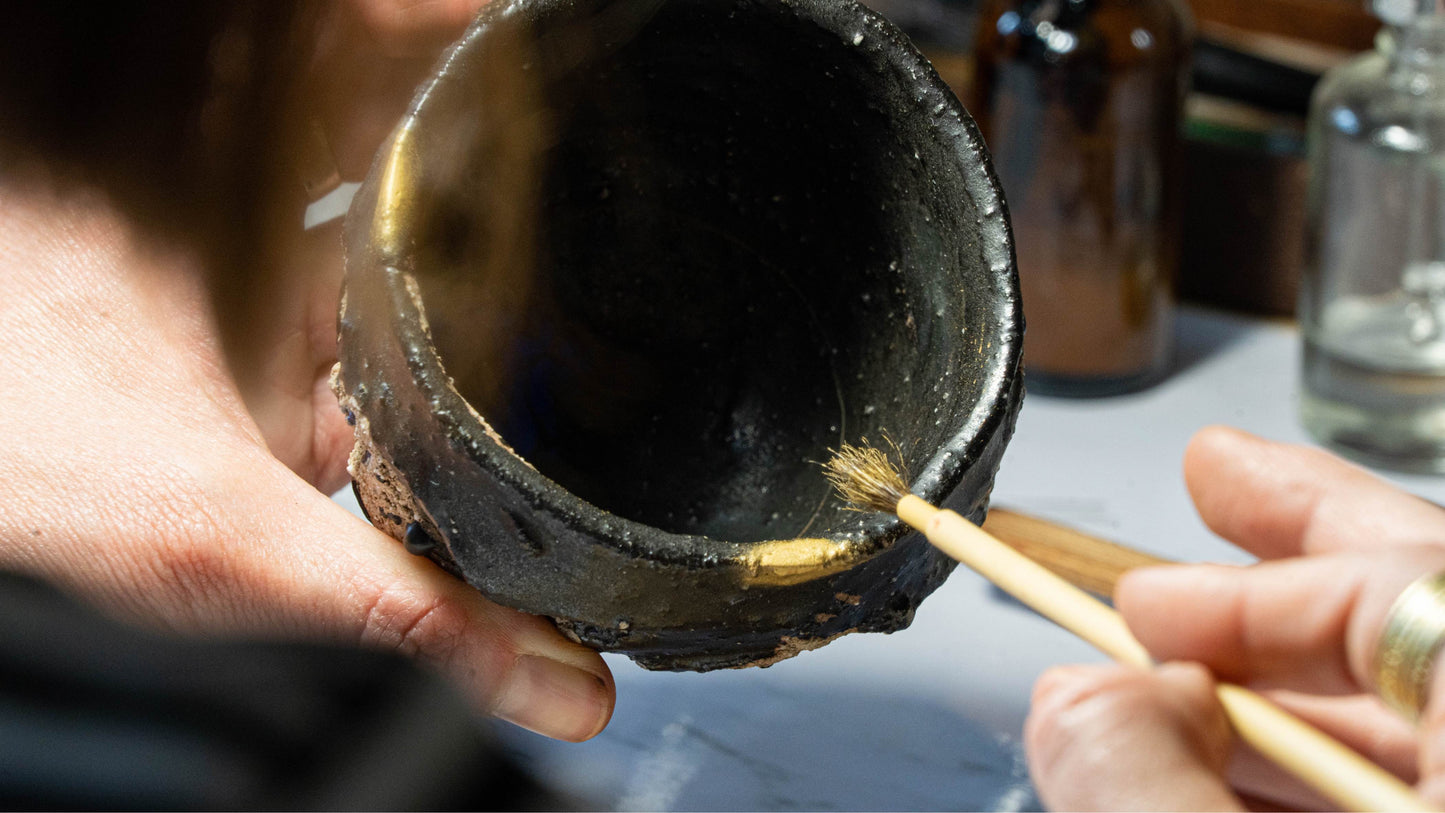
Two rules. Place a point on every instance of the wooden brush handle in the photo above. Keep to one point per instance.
(1087, 562)
(1320, 761)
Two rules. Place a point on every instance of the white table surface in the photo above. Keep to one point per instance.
(930, 717)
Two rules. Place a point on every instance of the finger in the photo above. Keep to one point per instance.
(367, 588)
(290, 396)
(1118, 738)
(1432, 741)
(1363, 723)
(1277, 500)
(1360, 722)
(1304, 624)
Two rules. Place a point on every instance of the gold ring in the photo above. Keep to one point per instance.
(1405, 655)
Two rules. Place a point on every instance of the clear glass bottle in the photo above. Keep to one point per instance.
(1080, 104)
(1372, 298)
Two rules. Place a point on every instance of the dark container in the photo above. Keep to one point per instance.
(623, 275)
(1080, 102)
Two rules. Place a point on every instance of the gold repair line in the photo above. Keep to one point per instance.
(392, 202)
(784, 562)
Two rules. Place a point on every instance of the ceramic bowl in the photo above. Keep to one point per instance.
(624, 274)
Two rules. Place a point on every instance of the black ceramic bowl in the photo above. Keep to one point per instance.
(624, 274)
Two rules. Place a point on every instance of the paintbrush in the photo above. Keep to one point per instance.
(1084, 561)
(868, 480)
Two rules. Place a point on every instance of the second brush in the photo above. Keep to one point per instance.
(1082, 560)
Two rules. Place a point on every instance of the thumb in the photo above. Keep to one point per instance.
(254, 550)
(366, 588)
(1119, 738)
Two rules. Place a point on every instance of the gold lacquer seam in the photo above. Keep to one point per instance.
(393, 201)
(783, 562)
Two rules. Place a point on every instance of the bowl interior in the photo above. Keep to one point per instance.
(674, 252)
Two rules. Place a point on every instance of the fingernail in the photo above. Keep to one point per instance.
(554, 699)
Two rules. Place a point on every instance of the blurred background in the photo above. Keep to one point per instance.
(1252, 70)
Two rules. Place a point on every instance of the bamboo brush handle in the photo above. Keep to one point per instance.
(1084, 561)
(1323, 763)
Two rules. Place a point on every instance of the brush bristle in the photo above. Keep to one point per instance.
(866, 478)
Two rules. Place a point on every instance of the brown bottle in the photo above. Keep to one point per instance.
(1080, 104)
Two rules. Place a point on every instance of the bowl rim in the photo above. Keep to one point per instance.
(792, 559)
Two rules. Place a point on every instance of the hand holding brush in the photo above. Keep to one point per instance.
(866, 478)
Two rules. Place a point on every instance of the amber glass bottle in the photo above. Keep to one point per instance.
(1080, 103)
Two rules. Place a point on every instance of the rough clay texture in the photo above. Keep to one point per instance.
(381, 489)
